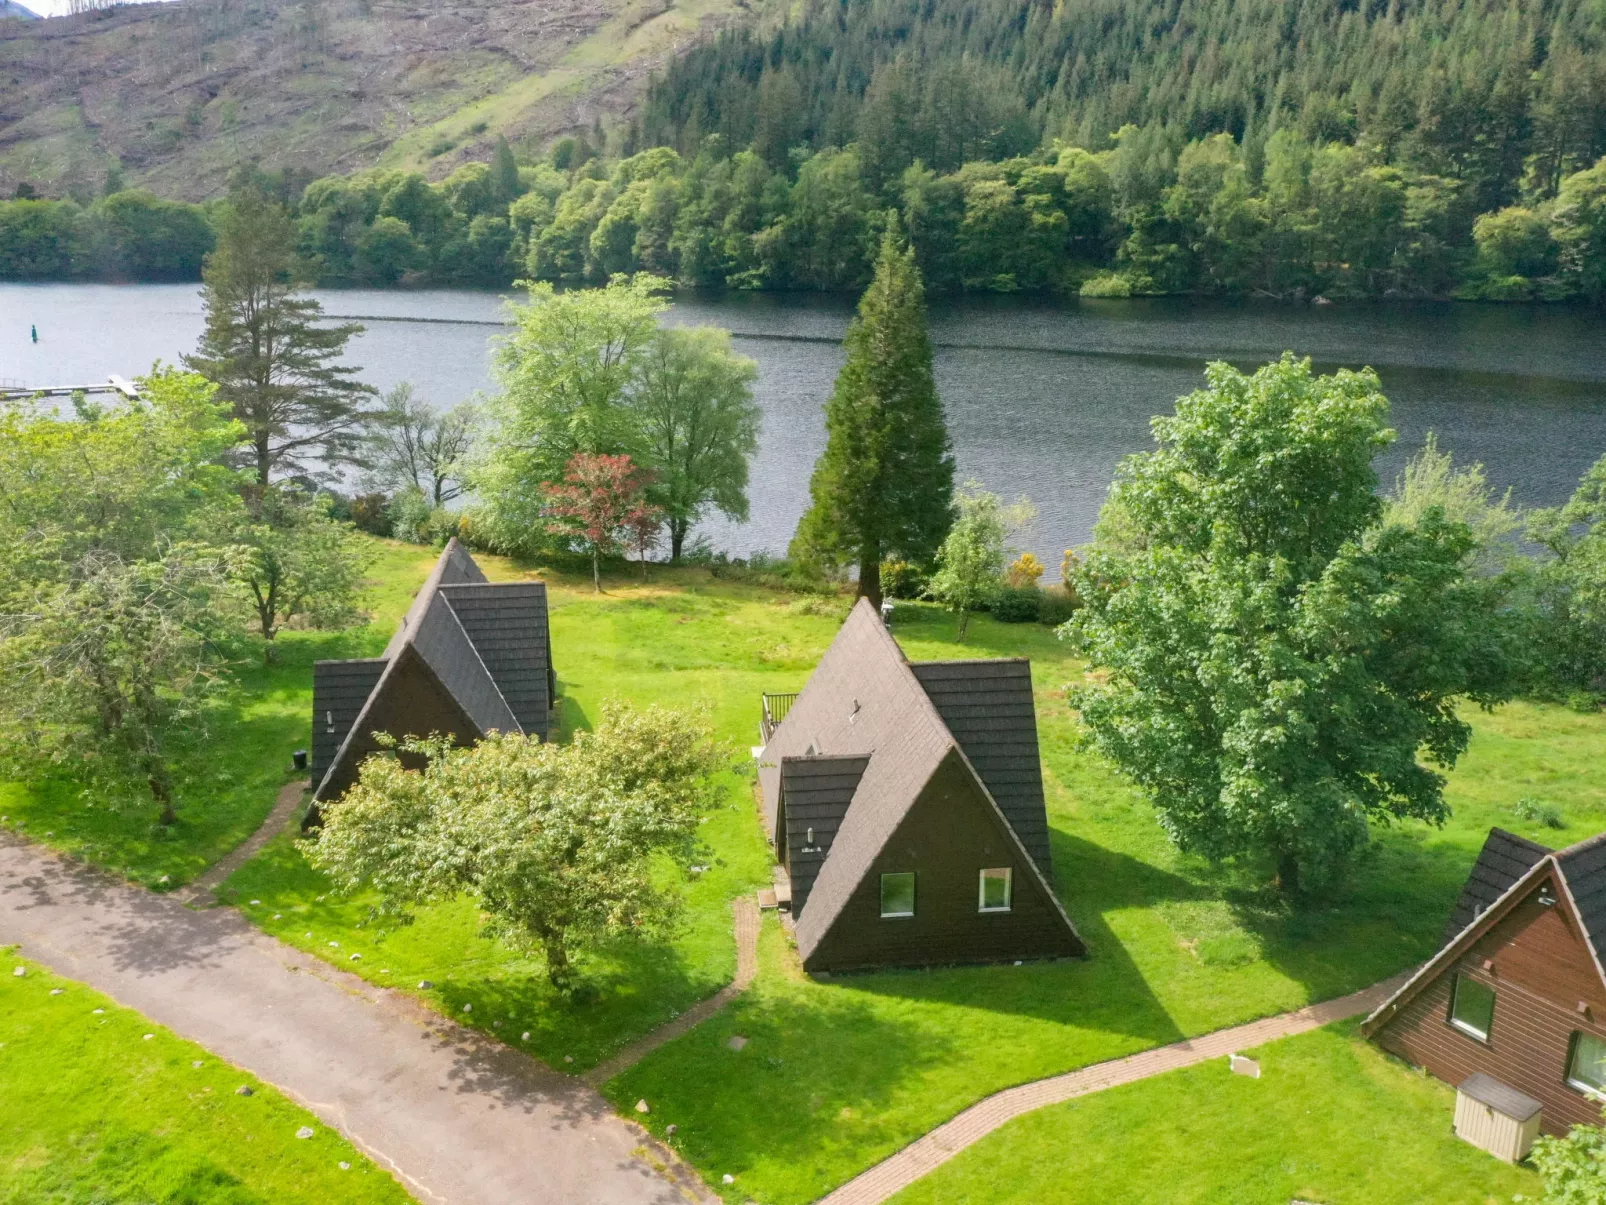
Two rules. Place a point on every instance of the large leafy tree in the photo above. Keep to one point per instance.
(414, 446)
(265, 347)
(884, 485)
(296, 563)
(1278, 663)
(567, 373)
(558, 844)
(120, 478)
(110, 668)
(700, 425)
(1572, 594)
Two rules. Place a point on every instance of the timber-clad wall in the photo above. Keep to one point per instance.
(1541, 972)
(948, 837)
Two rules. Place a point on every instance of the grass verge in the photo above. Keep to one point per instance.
(99, 1104)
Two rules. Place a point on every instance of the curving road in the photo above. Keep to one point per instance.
(458, 1118)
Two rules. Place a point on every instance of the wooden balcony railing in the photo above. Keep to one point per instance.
(774, 711)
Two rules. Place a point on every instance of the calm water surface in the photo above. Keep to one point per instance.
(1043, 400)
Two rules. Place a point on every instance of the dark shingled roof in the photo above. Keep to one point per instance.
(988, 707)
(818, 791)
(865, 701)
(1505, 858)
(482, 642)
(1507, 871)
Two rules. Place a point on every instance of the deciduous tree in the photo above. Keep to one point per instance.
(413, 444)
(597, 498)
(883, 487)
(558, 844)
(1279, 664)
(970, 563)
(695, 399)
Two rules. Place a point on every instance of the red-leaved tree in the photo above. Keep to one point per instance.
(595, 503)
(644, 524)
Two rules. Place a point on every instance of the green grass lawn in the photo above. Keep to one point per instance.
(842, 1072)
(1331, 1119)
(225, 792)
(93, 1111)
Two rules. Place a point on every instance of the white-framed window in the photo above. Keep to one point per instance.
(1472, 1007)
(995, 890)
(1586, 1064)
(898, 893)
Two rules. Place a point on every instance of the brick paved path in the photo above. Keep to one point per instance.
(892, 1175)
(746, 909)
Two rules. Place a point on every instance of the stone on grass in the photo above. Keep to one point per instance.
(344, 1166)
(196, 1063)
(97, 1012)
(243, 1090)
(424, 985)
(670, 1130)
(278, 916)
(20, 972)
(354, 957)
(256, 903)
(525, 1036)
(149, 1036)
(736, 1041)
(568, 1058)
(1243, 1066)
(468, 1008)
(727, 1178)
(305, 1132)
(56, 991)
(335, 945)
(643, 1107)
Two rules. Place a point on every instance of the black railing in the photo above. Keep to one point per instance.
(775, 709)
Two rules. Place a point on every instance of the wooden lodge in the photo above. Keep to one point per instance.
(1514, 1004)
(470, 657)
(905, 803)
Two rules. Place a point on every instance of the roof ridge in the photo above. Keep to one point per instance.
(1578, 847)
(974, 661)
(1518, 837)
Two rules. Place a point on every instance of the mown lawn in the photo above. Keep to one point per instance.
(93, 1111)
(1331, 1119)
(840, 1073)
(226, 790)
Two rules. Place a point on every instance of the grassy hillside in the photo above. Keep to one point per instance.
(180, 93)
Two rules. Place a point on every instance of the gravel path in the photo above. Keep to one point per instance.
(458, 1118)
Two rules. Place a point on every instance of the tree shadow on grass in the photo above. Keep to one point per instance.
(819, 1076)
(1106, 991)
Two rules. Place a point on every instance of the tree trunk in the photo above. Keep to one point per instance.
(964, 622)
(870, 577)
(677, 539)
(596, 569)
(1288, 874)
(264, 467)
(269, 651)
(558, 971)
(161, 785)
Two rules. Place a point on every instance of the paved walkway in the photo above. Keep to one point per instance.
(746, 909)
(459, 1118)
(203, 890)
(893, 1175)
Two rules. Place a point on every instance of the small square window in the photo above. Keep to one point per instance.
(898, 894)
(994, 892)
(1472, 1009)
(1586, 1064)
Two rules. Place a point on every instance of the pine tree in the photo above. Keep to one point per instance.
(884, 485)
(264, 347)
(504, 174)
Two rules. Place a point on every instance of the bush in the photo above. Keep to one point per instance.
(1055, 607)
(1017, 604)
(371, 513)
(1583, 702)
(900, 579)
(1537, 811)
(409, 513)
(1111, 285)
(1024, 571)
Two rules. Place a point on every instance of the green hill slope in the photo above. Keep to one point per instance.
(178, 94)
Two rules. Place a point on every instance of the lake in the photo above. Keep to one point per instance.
(1043, 399)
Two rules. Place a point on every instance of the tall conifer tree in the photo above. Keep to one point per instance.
(884, 486)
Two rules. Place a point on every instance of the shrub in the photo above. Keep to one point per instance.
(1017, 604)
(1583, 702)
(440, 526)
(1055, 607)
(1023, 572)
(900, 579)
(1537, 811)
(371, 513)
(1111, 285)
(409, 513)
